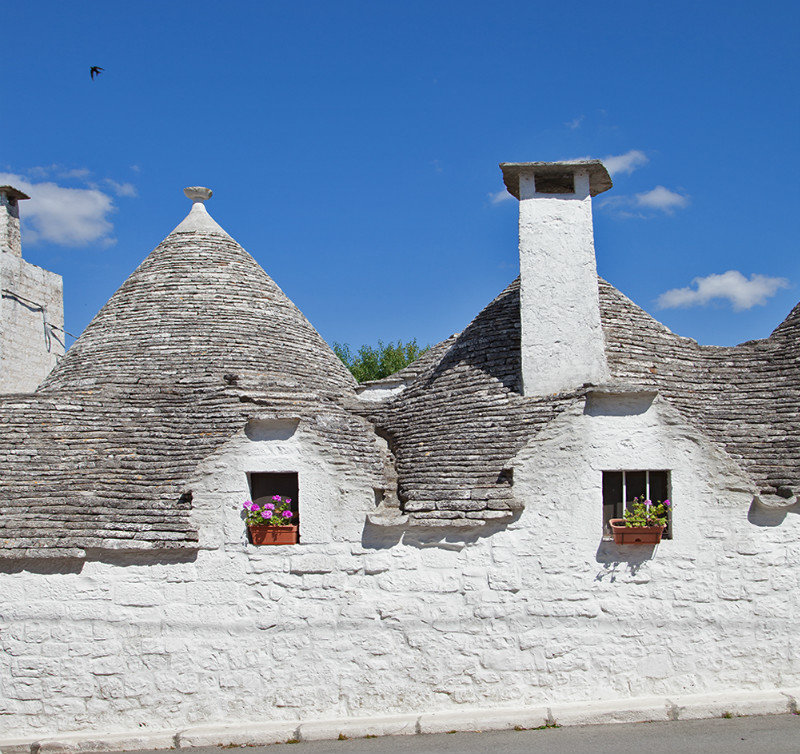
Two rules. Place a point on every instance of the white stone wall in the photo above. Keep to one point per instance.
(380, 391)
(562, 339)
(360, 620)
(29, 348)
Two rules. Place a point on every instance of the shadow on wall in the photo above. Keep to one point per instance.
(265, 429)
(766, 514)
(45, 566)
(445, 538)
(57, 565)
(617, 558)
(621, 404)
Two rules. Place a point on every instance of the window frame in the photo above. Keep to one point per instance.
(621, 506)
(260, 477)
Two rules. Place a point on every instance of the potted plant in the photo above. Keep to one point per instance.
(271, 523)
(643, 523)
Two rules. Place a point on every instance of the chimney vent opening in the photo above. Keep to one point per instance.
(554, 183)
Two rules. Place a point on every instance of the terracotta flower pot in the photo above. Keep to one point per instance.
(635, 535)
(274, 535)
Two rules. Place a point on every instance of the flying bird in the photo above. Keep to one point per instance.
(95, 71)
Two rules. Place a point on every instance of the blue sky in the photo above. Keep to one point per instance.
(353, 148)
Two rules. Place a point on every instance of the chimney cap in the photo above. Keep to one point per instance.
(13, 193)
(198, 193)
(599, 179)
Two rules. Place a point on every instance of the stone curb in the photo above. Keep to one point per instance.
(359, 727)
(638, 709)
(483, 719)
(236, 734)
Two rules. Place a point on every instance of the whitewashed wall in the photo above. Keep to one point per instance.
(360, 620)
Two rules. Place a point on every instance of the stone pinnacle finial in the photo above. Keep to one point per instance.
(198, 193)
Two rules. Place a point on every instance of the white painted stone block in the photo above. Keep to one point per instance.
(394, 725)
(483, 719)
(636, 710)
(15, 746)
(237, 734)
(77, 743)
(380, 391)
(724, 703)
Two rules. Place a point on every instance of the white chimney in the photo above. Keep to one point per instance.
(31, 308)
(10, 241)
(562, 340)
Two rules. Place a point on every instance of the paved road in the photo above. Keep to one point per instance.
(768, 734)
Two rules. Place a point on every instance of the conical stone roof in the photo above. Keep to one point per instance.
(199, 308)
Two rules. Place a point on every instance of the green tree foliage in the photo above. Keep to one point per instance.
(376, 363)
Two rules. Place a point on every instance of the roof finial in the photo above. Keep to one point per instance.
(198, 220)
(198, 193)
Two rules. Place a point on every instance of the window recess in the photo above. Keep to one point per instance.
(265, 485)
(621, 487)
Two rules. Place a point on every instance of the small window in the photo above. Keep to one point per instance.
(264, 486)
(554, 183)
(621, 487)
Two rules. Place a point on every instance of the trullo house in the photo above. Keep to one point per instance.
(454, 554)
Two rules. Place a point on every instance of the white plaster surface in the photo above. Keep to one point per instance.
(562, 339)
(380, 391)
(375, 622)
(199, 221)
(29, 348)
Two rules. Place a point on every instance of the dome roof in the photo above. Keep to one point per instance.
(199, 310)
(790, 327)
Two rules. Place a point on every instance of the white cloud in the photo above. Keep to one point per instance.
(42, 171)
(625, 163)
(646, 204)
(662, 199)
(61, 215)
(55, 170)
(621, 163)
(121, 189)
(575, 122)
(80, 173)
(497, 197)
(729, 286)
